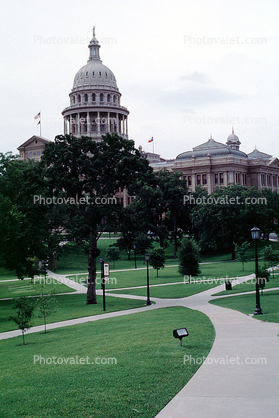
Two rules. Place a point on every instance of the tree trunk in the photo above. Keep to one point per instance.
(91, 290)
(23, 337)
(52, 266)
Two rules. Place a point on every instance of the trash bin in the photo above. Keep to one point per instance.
(228, 285)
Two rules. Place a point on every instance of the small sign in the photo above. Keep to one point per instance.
(106, 269)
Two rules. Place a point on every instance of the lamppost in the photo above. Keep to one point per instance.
(255, 232)
(148, 298)
(135, 247)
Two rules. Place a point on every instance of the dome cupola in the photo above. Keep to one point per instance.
(233, 141)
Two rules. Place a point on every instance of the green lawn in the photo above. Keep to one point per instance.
(250, 286)
(145, 371)
(137, 277)
(26, 288)
(246, 304)
(169, 291)
(69, 307)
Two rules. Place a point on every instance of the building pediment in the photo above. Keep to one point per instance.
(34, 141)
(274, 162)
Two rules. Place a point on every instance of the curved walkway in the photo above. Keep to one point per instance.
(241, 373)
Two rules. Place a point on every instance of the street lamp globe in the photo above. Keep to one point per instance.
(255, 232)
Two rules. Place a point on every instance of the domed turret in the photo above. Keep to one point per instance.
(95, 100)
(233, 141)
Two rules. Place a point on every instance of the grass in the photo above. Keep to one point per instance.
(246, 304)
(250, 286)
(26, 288)
(145, 375)
(131, 278)
(75, 260)
(169, 291)
(69, 307)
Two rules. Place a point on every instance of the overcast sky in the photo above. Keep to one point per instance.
(185, 68)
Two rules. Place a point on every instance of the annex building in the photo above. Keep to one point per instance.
(213, 164)
(95, 109)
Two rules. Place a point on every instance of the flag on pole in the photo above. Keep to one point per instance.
(38, 116)
(150, 140)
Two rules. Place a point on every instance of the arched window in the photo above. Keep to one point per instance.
(114, 99)
(93, 97)
(86, 97)
(79, 98)
(101, 97)
(108, 98)
(74, 99)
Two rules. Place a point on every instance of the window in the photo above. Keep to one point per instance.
(237, 178)
(189, 180)
(101, 97)
(93, 73)
(38, 153)
(93, 97)
(86, 97)
(30, 154)
(79, 98)
(221, 175)
(204, 179)
(244, 179)
(108, 98)
(198, 179)
(216, 178)
(74, 99)
(274, 181)
(100, 73)
(106, 74)
(34, 153)
(80, 74)
(114, 99)
(86, 74)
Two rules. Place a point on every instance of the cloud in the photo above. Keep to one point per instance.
(197, 77)
(195, 96)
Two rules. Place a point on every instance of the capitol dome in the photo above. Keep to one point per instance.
(94, 73)
(95, 107)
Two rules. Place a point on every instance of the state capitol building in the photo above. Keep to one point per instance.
(95, 109)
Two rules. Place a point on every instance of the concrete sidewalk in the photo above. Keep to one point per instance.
(247, 385)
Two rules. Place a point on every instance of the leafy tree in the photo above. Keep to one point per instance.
(143, 243)
(46, 303)
(271, 256)
(159, 205)
(225, 217)
(113, 254)
(129, 228)
(189, 258)
(30, 232)
(263, 276)
(79, 168)
(24, 307)
(241, 252)
(157, 258)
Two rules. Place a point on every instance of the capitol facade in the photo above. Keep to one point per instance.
(95, 109)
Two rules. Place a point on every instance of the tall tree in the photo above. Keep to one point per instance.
(157, 258)
(81, 170)
(189, 258)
